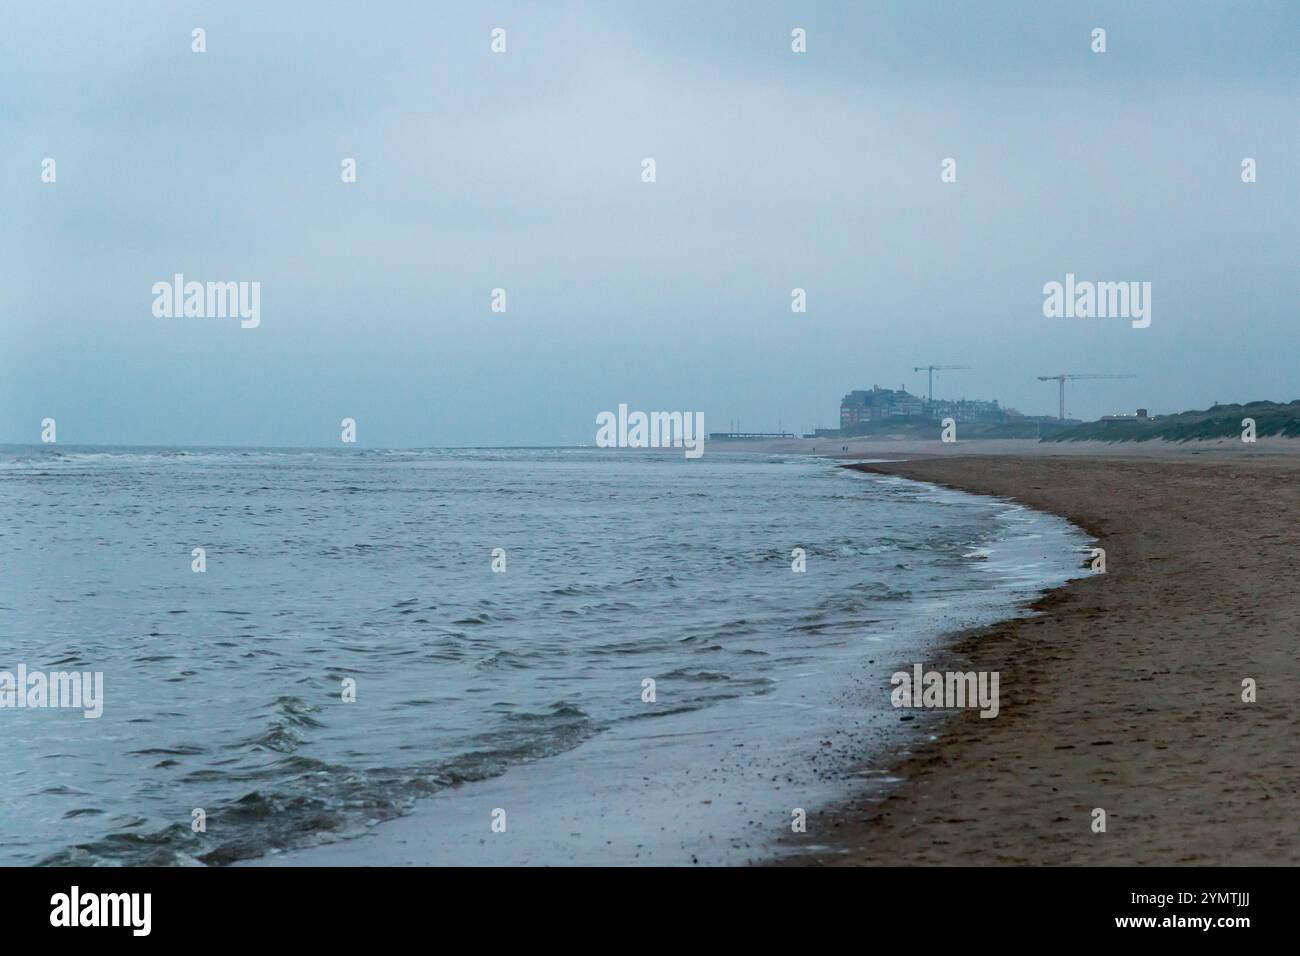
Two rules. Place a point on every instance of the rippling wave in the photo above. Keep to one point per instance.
(224, 690)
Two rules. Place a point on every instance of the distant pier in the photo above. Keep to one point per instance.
(748, 436)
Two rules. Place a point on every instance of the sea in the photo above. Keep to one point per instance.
(473, 655)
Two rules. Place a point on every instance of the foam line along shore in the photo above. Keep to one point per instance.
(1160, 693)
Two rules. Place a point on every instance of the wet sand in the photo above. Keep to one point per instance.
(1125, 693)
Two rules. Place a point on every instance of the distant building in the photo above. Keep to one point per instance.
(859, 408)
(862, 408)
(1141, 416)
(971, 410)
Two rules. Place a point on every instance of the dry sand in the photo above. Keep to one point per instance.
(1125, 693)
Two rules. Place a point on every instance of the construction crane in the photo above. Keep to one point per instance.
(929, 396)
(1061, 380)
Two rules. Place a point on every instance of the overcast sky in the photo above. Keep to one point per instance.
(522, 170)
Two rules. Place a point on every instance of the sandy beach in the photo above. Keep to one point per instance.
(1125, 692)
(1122, 692)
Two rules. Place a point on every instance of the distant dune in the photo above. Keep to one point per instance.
(1219, 421)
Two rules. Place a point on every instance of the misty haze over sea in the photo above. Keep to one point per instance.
(409, 419)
